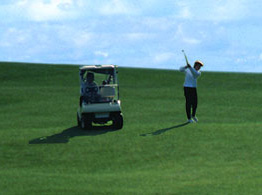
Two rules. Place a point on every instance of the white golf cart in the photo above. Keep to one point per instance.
(99, 99)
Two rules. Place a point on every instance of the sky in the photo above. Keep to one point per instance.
(224, 34)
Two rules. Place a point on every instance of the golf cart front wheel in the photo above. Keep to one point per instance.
(86, 123)
(118, 121)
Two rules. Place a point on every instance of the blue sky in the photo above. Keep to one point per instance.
(225, 35)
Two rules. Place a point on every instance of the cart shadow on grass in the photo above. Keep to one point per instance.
(69, 133)
(160, 131)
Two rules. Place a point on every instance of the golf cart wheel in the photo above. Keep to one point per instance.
(86, 123)
(118, 121)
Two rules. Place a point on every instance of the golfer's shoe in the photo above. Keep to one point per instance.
(190, 121)
(195, 119)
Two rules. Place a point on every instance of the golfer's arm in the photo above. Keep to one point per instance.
(195, 72)
(182, 69)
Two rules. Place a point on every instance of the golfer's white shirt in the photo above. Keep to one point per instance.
(191, 76)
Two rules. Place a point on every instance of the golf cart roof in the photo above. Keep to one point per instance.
(97, 67)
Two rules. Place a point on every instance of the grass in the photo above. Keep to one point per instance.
(43, 152)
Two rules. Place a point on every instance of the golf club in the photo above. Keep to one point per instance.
(185, 57)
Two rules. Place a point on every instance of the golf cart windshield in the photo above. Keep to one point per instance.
(98, 84)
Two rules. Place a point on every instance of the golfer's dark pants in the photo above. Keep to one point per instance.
(191, 101)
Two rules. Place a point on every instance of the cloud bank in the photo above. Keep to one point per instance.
(150, 33)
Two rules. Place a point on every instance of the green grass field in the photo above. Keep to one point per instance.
(43, 152)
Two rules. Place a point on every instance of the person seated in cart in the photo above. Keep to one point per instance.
(89, 89)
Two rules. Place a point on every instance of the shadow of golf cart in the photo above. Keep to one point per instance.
(99, 97)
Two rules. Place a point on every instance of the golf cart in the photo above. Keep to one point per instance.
(99, 99)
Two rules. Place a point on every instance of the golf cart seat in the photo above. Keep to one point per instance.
(107, 92)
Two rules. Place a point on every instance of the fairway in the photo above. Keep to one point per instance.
(42, 151)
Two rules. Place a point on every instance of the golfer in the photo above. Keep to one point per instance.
(190, 89)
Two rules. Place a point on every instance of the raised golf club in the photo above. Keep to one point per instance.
(185, 57)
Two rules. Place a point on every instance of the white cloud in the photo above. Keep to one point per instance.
(59, 10)
(260, 57)
(184, 10)
(81, 39)
(14, 36)
(228, 10)
(163, 57)
(191, 41)
(139, 36)
(217, 11)
(182, 35)
(112, 7)
(45, 10)
(101, 53)
(241, 60)
(185, 13)
(74, 37)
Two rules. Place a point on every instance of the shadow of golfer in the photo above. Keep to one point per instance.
(69, 133)
(160, 131)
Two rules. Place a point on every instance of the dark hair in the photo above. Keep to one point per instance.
(90, 76)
